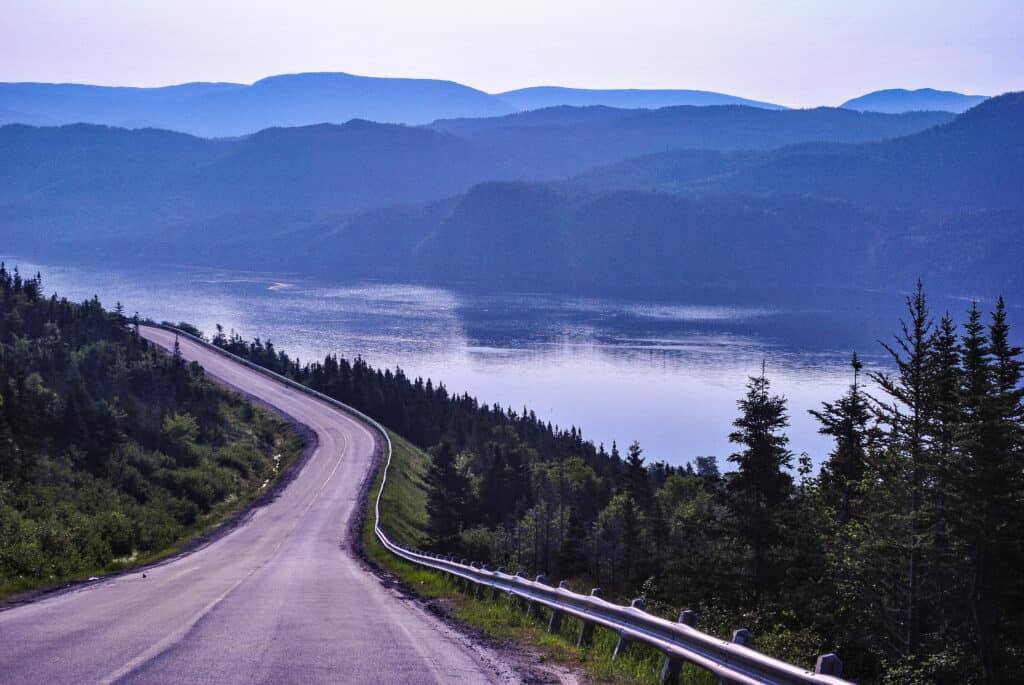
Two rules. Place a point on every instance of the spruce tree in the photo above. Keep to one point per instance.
(988, 487)
(635, 479)
(760, 486)
(847, 421)
(447, 490)
(902, 515)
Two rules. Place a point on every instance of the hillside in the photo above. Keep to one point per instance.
(563, 141)
(974, 162)
(899, 100)
(642, 243)
(85, 182)
(112, 453)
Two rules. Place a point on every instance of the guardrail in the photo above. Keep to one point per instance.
(733, 662)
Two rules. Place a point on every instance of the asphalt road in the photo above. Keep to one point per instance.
(280, 599)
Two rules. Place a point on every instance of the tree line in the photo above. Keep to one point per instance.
(903, 553)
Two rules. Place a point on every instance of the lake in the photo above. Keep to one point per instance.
(665, 373)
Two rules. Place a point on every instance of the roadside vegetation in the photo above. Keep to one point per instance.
(404, 517)
(902, 554)
(112, 453)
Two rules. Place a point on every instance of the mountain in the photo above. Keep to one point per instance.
(105, 181)
(232, 109)
(330, 168)
(542, 97)
(562, 141)
(899, 100)
(84, 182)
(460, 204)
(535, 237)
(943, 204)
(290, 100)
(973, 162)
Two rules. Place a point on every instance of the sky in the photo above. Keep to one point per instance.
(793, 52)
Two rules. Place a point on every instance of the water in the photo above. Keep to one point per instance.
(667, 374)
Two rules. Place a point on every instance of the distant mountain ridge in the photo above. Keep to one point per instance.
(232, 109)
(218, 109)
(540, 97)
(562, 141)
(899, 100)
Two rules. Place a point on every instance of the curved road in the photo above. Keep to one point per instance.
(279, 599)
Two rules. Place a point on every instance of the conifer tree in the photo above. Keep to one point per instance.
(847, 422)
(635, 479)
(906, 463)
(446, 497)
(988, 483)
(760, 486)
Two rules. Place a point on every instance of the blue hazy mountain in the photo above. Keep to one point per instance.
(942, 203)
(972, 162)
(540, 97)
(82, 181)
(898, 100)
(84, 178)
(231, 109)
(561, 141)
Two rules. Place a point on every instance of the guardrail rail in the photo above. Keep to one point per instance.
(732, 661)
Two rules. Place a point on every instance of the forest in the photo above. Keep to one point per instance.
(902, 553)
(112, 452)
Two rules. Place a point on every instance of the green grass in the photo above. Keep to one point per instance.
(403, 517)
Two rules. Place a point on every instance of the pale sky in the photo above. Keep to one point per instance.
(794, 52)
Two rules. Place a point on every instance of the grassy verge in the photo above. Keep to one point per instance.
(403, 514)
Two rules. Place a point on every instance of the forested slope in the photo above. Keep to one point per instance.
(111, 451)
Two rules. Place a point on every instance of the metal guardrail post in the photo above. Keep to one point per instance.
(586, 637)
(495, 592)
(480, 586)
(673, 665)
(623, 643)
(531, 607)
(740, 636)
(555, 624)
(829, 664)
(519, 600)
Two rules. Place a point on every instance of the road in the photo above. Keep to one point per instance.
(280, 599)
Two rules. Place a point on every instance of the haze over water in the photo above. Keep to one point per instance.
(667, 374)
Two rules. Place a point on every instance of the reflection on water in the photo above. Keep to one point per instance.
(666, 374)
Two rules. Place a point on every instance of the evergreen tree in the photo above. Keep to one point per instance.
(989, 485)
(760, 486)
(635, 479)
(904, 467)
(446, 498)
(847, 422)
